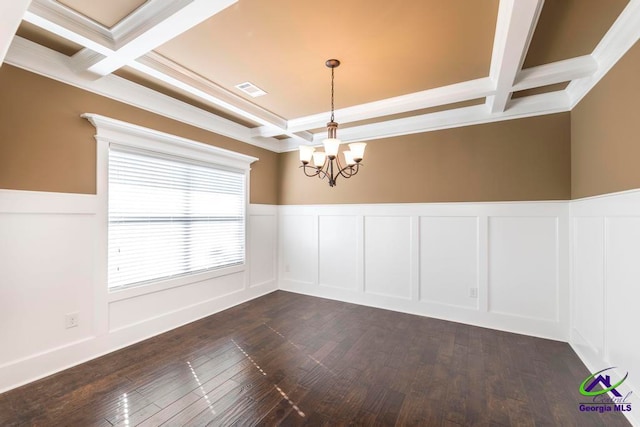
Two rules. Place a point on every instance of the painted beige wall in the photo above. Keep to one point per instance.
(605, 132)
(46, 146)
(525, 159)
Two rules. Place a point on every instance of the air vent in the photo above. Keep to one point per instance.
(251, 89)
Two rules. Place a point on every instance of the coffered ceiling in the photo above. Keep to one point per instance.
(407, 66)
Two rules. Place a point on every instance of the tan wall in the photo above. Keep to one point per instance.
(605, 132)
(525, 159)
(46, 146)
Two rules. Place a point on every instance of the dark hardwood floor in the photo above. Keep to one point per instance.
(288, 359)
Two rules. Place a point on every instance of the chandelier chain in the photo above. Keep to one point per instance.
(332, 117)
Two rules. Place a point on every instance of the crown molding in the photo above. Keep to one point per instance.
(555, 72)
(46, 62)
(622, 35)
(472, 89)
(535, 105)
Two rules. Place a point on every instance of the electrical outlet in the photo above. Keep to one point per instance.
(473, 292)
(71, 320)
(287, 269)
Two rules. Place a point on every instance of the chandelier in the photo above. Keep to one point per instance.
(326, 164)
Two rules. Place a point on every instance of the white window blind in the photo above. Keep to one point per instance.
(170, 216)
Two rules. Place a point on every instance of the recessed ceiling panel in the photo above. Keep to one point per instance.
(107, 13)
(386, 48)
(571, 28)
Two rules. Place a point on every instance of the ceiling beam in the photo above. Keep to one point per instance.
(157, 27)
(622, 35)
(132, 35)
(450, 94)
(201, 90)
(10, 18)
(517, 20)
(54, 65)
(535, 105)
(64, 22)
(556, 72)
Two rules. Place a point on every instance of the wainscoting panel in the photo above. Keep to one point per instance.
(441, 260)
(623, 293)
(605, 287)
(588, 253)
(387, 256)
(449, 255)
(338, 251)
(49, 264)
(523, 267)
(263, 248)
(46, 271)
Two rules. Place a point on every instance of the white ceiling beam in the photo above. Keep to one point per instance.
(60, 20)
(556, 72)
(450, 94)
(175, 23)
(517, 20)
(535, 105)
(622, 35)
(547, 103)
(11, 14)
(133, 32)
(155, 67)
(41, 60)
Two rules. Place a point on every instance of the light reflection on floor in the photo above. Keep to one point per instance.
(204, 393)
(297, 347)
(125, 408)
(282, 393)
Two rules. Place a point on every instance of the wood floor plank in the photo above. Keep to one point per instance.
(291, 360)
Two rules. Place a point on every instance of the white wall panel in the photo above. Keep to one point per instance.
(623, 294)
(135, 310)
(46, 271)
(604, 286)
(49, 247)
(523, 267)
(387, 251)
(424, 258)
(588, 279)
(337, 256)
(449, 260)
(263, 248)
(299, 248)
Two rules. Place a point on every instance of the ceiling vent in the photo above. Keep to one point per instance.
(251, 89)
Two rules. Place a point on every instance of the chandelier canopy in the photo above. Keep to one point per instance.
(326, 164)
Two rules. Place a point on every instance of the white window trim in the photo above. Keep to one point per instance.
(126, 134)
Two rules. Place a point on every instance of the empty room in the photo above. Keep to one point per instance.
(286, 212)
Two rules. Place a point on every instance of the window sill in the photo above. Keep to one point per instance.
(165, 284)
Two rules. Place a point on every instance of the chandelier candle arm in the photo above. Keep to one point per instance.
(326, 164)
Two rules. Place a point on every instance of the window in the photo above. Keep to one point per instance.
(170, 216)
(171, 210)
